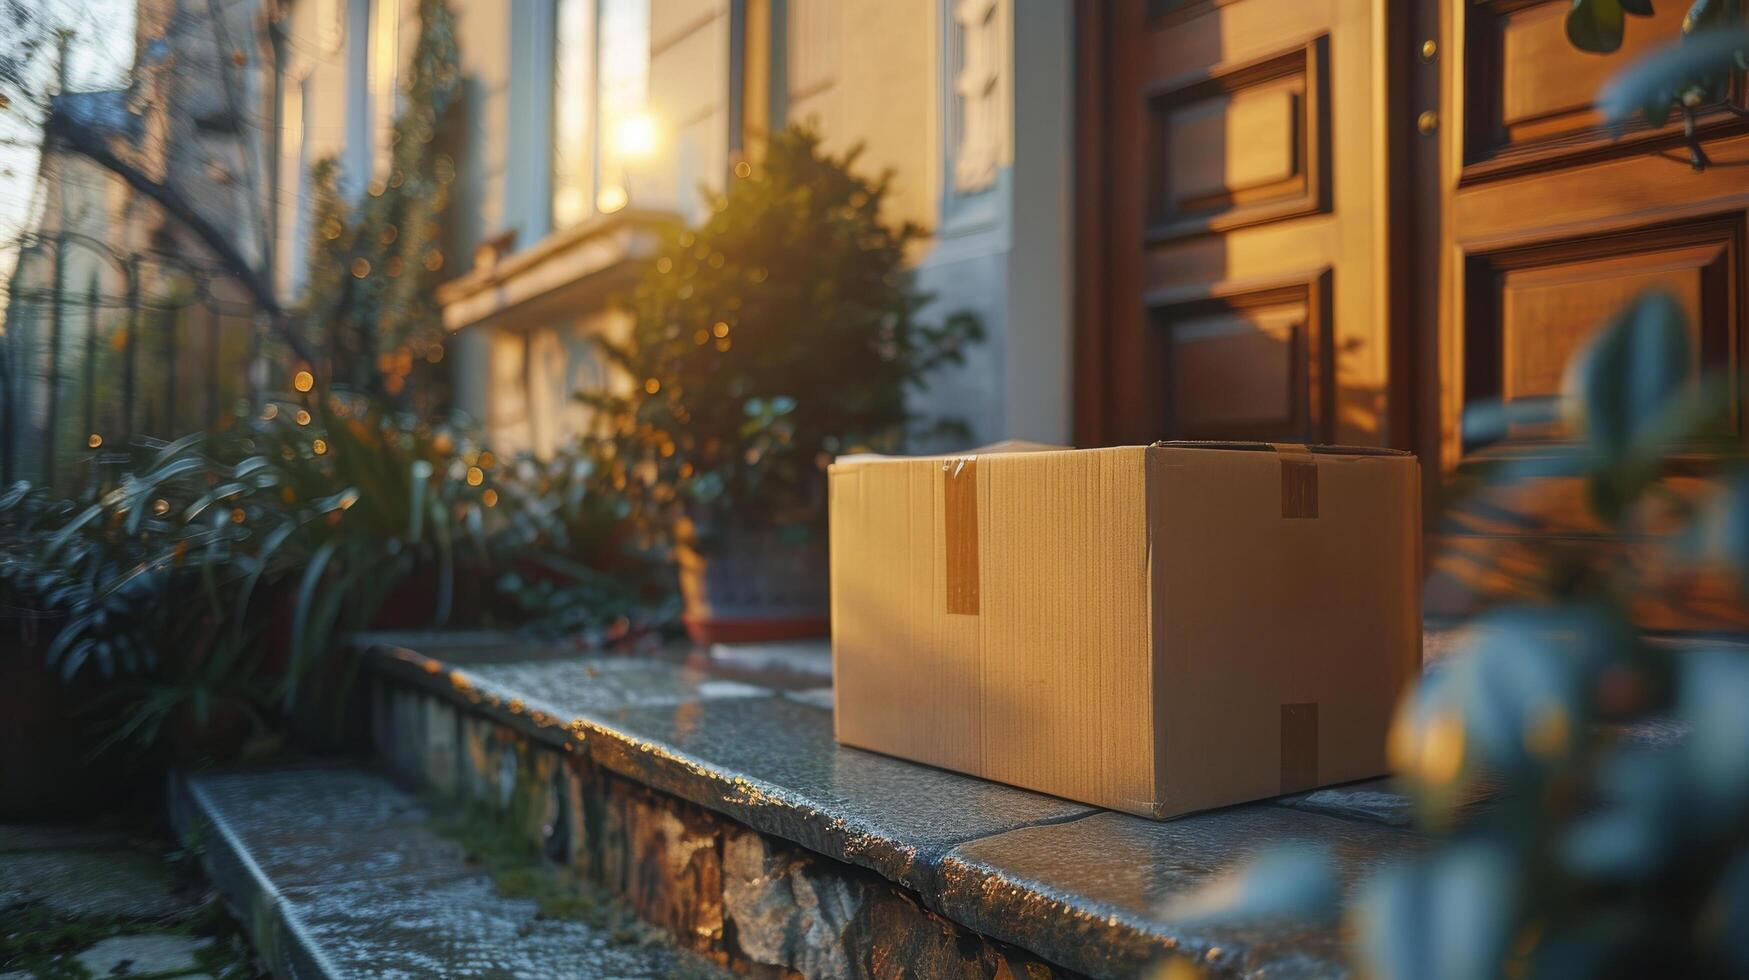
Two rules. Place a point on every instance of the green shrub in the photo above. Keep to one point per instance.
(219, 570)
(782, 332)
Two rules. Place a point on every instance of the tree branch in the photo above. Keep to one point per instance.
(93, 146)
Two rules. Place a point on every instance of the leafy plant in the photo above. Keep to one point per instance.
(781, 332)
(1614, 836)
(216, 574)
(375, 263)
(1683, 79)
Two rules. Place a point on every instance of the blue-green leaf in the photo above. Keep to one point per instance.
(1663, 77)
(1448, 916)
(1628, 374)
(1287, 882)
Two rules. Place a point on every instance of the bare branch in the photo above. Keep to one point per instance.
(95, 147)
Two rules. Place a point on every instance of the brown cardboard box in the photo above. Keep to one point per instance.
(1156, 629)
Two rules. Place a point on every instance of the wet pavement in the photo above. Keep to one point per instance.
(109, 898)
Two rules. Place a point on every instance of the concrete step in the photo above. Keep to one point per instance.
(335, 872)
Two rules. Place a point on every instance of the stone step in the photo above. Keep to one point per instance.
(335, 872)
(718, 803)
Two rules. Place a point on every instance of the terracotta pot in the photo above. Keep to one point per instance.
(752, 585)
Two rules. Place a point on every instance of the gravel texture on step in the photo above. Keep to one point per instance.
(338, 874)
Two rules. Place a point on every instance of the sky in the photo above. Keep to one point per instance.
(101, 52)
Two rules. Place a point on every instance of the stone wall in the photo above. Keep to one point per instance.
(750, 901)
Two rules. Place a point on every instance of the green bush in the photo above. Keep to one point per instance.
(1613, 836)
(782, 332)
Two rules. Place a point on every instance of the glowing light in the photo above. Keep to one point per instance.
(664, 265)
(319, 446)
(303, 381)
(723, 345)
(237, 515)
(476, 476)
(612, 198)
(269, 413)
(360, 268)
(160, 507)
(303, 417)
(721, 329)
(94, 440)
(651, 386)
(489, 498)
(636, 138)
(743, 169)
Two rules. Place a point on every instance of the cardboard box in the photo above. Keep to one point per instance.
(1155, 629)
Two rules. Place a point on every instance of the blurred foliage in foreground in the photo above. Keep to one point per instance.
(207, 581)
(1587, 787)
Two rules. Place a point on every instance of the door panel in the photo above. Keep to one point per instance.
(1548, 226)
(1537, 255)
(1242, 284)
(1529, 92)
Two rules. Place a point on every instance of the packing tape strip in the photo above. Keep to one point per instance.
(1299, 480)
(960, 498)
(1299, 746)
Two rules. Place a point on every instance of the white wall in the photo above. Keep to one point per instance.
(883, 73)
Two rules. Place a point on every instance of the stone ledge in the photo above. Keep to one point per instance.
(1079, 887)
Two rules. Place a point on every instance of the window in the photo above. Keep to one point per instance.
(385, 77)
(623, 86)
(294, 176)
(573, 105)
(978, 137)
(601, 75)
(330, 25)
(355, 163)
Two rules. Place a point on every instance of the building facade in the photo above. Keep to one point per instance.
(551, 207)
(1301, 221)
(120, 322)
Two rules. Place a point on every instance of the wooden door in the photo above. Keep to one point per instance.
(1545, 226)
(1233, 246)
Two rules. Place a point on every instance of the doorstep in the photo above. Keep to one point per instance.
(337, 873)
(1079, 888)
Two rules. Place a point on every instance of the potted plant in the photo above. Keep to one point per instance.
(780, 332)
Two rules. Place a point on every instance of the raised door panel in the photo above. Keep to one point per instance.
(1532, 308)
(1249, 365)
(1530, 94)
(1242, 280)
(1549, 225)
(1243, 146)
